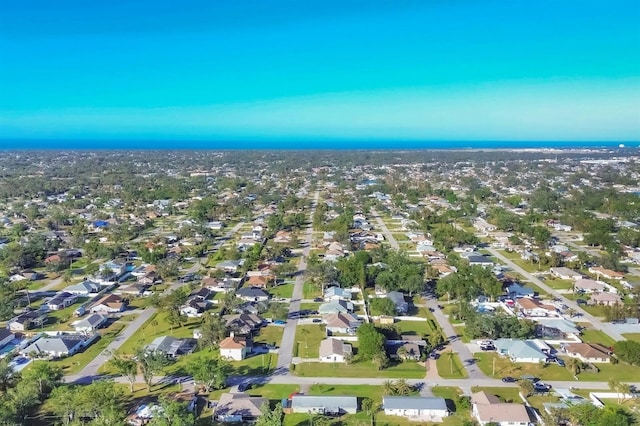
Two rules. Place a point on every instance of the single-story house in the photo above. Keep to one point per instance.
(419, 408)
(230, 265)
(56, 346)
(171, 346)
(534, 308)
(235, 347)
(588, 352)
(61, 300)
(242, 323)
(607, 299)
(335, 307)
(337, 293)
(517, 290)
(565, 273)
(27, 321)
(194, 308)
(259, 281)
(606, 273)
(533, 351)
(557, 329)
(6, 336)
(83, 289)
(238, 408)
(111, 303)
(341, 323)
(402, 307)
(331, 405)
(252, 294)
(483, 261)
(405, 350)
(334, 350)
(487, 408)
(90, 323)
(589, 286)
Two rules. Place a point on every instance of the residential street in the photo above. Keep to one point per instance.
(285, 354)
(606, 328)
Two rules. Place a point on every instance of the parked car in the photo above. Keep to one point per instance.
(279, 322)
(509, 379)
(541, 387)
(244, 387)
(317, 320)
(560, 362)
(318, 299)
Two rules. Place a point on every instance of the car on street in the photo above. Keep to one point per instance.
(318, 299)
(509, 379)
(541, 387)
(244, 387)
(560, 362)
(317, 320)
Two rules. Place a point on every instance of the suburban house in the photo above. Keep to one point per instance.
(27, 321)
(534, 308)
(402, 307)
(194, 308)
(6, 337)
(235, 347)
(242, 323)
(334, 350)
(557, 329)
(230, 266)
(488, 409)
(335, 307)
(330, 405)
(337, 293)
(258, 281)
(282, 237)
(252, 294)
(61, 300)
(565, 273)
(606, 273)
(341, 323)
(480, 260)
(220, 286)
(238, 408)
(588, 352)
(83, 289)
(533, 351)
(171, 346)
(408, 347)
(607, 299)
(111, 303)
(588, 286)
(516, 290)
(483, 226)
(89, 324)
(57, 346)
(416, 408)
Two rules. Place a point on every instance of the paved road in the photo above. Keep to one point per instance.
(90, 371)
(606, 328)
(285, 354)
(387, 234)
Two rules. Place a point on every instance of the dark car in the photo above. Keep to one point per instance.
(560, 362)
(509, 379)
(318, 299)
(581, 302)
(317, 320)
(244, 387)
(541, 387)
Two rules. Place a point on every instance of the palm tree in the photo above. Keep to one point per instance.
(615, 386)
(574, 365)
(402, 387)
(305, 333)
(388, 388)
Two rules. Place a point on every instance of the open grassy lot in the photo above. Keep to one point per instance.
(515, 258)
(158, 326)
(505, 394)
(450, 366)
(622, 372)
(308, 338)
(409, 370)
(595, 310)
(77, 362)
(558, 284)
(460, 330)
(270, 335)
(417, 328)
(284, 290)
(597, 336)
(310, 291)
(632, 336)
(504, 367)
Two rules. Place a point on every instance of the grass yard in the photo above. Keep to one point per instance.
(537, 401)
(310, 291)
(558, 284)
(416, 328)
(450, 367)
(504, 367)
(309, 306)
(408, 370)
(270, 335)
(460, 330)
(596, 311)
(284, 290)
(515, 258)
(622, 372)
(596, 336)
(632, 336)
(157, 326)
(77, 362)
(308, 344)
(506, 394)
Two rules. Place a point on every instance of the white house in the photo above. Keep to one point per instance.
(416, 408)
(487, 409)
(532, 351)
(90, 323)
(235, 348)
(334, 350)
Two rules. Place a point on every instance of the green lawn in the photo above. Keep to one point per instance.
(632, 336)
(308, 344)
(409, 370)
(310, 291)
(450, 367)
(558, 284)
(504, 367)
(506, 394)
(157, 326)
(623, 372)
(596, 336)
(460, 330)
(270, 335)
(419, 328)
(57, 318)
(284, 290)
(515, 258)
(77, 362)
(595, 310)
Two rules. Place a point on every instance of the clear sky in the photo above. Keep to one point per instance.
(313, 70)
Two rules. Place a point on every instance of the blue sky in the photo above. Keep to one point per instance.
(314, 70)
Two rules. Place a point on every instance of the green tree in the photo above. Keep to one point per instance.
(526, 388)
(269, 417)
(173, 413)
(370, 342)
(64, 403)
(210, 372)
(213, 331)
(382, 306)
(127, 368)
(44, 375)
(150, 364)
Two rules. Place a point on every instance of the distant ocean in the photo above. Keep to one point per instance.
(77, 144)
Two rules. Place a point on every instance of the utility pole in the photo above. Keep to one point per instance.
(494, 368)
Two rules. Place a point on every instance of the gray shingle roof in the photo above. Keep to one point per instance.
(413, 403)
(329, 403)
